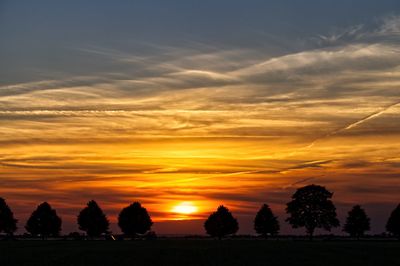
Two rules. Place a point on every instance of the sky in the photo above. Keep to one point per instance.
(199, 103)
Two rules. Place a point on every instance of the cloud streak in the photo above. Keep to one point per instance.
(208, 124)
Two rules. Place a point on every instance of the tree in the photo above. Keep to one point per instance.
(8, 224)
(265, 223)
(92, 220)
(312, 208)
(44, 222)
(221, 223)
(393, 223)
(134, 220)
(357, 222)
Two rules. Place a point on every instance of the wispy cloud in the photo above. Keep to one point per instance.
(208, 124)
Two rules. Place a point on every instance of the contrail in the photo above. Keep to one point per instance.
(352, 125)
(371, 116)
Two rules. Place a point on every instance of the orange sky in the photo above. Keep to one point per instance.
(241, 172)
(209, 126)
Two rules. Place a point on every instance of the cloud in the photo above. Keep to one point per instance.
(384, 29)
(209, 124)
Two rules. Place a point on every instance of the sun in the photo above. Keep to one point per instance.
(184, 208)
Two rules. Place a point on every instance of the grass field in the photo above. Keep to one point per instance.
(200, 252)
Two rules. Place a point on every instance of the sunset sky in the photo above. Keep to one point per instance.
(186, 105)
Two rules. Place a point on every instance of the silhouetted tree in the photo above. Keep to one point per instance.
(134, 220)
(265, 222)
(44, 222)
(393, 223)
(8, 224)
(312, 208)
(92, 220)
(357, 222)
(221, 223)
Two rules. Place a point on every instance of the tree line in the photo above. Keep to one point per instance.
(310, 208)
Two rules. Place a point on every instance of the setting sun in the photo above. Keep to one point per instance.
(184, 208)
(225, 132)
(182, 116)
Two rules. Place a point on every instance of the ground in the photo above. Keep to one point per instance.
(200, 252)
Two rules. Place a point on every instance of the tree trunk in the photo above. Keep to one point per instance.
(310, 234)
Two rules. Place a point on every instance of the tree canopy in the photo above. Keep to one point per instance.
(265, 222)
(92, 220)
(8, 224)
(393, 223)
(134, 220)
(357, 222)
(221, 223)
(44, 221)
(312, 208)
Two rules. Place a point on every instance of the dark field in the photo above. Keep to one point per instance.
(200, 252)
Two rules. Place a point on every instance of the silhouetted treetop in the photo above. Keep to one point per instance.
(265, 223)
(134, 220)
(8, 224)
(221, 223)
(393, 223)
(312, 208)
(44, 221)
(357, 222)
(92, 220)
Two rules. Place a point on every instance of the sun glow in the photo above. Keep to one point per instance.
(184, 208)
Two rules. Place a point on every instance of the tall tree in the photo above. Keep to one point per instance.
(265, 222)
(393, 223)
(357, 222)
(134, 220)
(44, 222)
(221, 223)
(8, 224)
(312, 208)
(92, 220)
